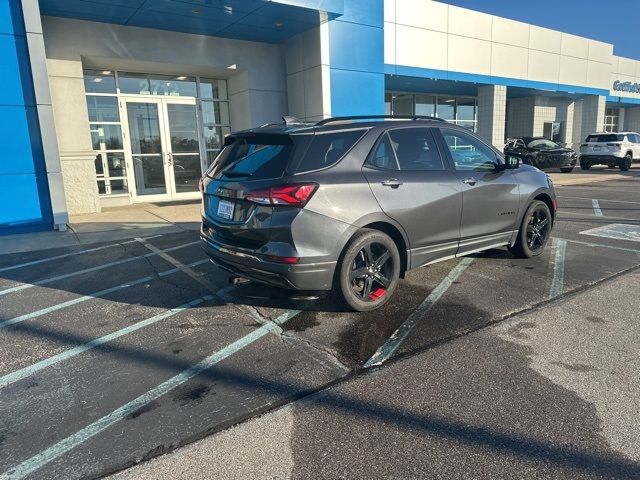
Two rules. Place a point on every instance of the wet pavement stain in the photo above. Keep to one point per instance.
(188, 394)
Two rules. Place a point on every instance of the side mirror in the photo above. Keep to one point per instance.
(511, 163)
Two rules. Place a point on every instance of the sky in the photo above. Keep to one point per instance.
(611, 21)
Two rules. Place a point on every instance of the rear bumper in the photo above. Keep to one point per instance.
(245, 263)
(600, 159)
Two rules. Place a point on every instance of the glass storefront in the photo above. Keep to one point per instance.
(612, 120)
(459, 110)
(197, 130)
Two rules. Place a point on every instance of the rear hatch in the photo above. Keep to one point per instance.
(602, 144)
(251, 195)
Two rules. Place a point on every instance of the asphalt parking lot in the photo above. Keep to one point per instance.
(120, 352)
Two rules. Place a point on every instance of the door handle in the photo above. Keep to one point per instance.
(392, 182)
(470, 181)
(169, 159)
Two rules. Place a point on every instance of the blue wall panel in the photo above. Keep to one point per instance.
(356, 45)
(24, 193)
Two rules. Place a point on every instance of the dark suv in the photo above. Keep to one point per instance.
(351, 204)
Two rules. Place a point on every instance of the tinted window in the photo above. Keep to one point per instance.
(415, 149)
(326, 149)
(469, 153)
(605, 137)
(258, 158)
(383, 156)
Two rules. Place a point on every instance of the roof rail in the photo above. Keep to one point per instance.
(378, 117)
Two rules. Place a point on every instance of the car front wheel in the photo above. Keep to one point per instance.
(585, 165)
(534, 232)
(368, 271)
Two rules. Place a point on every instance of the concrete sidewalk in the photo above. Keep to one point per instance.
(139, 220)
(553, 393)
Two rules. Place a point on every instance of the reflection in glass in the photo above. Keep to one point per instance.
(183, 128)
(211, 156)
(102, 189)
(144, 128)
(170, 85)
(106, 137)
(103, 109)
(99, 165)
(116, 164)
(466, 109)
(215, 112)
(99, 81)
(118, 186)
(213, 89)
(187, 173)
(425, 105)
(149, 174)
(214, 136)
(446, 108)
(403, 104)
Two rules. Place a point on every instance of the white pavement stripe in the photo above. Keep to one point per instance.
(69, 443)
(596, 207)
(89, 270)
(71, 254)
(72, 352)
(602, 245)
(557, 283)
(91, 296)
(386, 350)
(608, 200)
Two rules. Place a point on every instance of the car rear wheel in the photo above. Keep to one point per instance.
(585, 165)
(534, 231)
(625, 164)
(566, 170)
(368, 271)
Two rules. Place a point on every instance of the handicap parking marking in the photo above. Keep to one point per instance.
(71, 254)
(92, 296)
(25, 372)
(558, 258)
(616, 231)
(48, 455)
(92, 269)
(596, 208)
(386, 350)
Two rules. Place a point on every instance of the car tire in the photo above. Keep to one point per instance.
(566, 170)
(585, 165)
(625, 163)
(357, 281)
(524, 247)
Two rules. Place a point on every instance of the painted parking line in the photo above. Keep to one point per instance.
(386, 350)
(71, 254)
(557, 282)
(89, 270)
(616, 231)
(72, 352)
(601, 245)
(69, 443)
(92, 296)
(608, 201)
(596, 208)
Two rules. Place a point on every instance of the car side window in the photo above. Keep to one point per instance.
(520, 144)
(416, 150)
(635, 138)
(469, 153)
(383, 155)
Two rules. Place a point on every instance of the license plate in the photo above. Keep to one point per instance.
(225, 209)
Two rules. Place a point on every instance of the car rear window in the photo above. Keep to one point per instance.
(325, 150)
(606, 137)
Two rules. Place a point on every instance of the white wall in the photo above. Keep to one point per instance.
(429, 34)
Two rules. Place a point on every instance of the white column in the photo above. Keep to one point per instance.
(492, 105)
(593, 107)
(37, 58)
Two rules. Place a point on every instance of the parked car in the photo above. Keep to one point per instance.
(611, 149)
(352, 204)
(542, 153)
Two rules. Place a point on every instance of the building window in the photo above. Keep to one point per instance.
(106, 132)
(462, 111)
(214, 107)
(611, 119)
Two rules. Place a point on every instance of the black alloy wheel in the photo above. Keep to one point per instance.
(535, 231)
(368, 270)
(625, 164)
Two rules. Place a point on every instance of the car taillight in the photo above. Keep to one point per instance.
(285, 260)
(615, 146)
(296, 195)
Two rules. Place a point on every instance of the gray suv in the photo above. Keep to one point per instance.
(351, 204)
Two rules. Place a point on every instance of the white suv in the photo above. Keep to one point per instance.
(612, 149)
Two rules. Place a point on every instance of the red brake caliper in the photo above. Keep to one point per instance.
(377, 294)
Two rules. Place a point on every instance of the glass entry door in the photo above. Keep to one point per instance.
(163, 148)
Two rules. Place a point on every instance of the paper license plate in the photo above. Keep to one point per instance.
(225, 209)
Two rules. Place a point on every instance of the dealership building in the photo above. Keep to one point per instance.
(113, 102)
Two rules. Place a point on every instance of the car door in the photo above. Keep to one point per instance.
(415, 186)
(490, 194)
